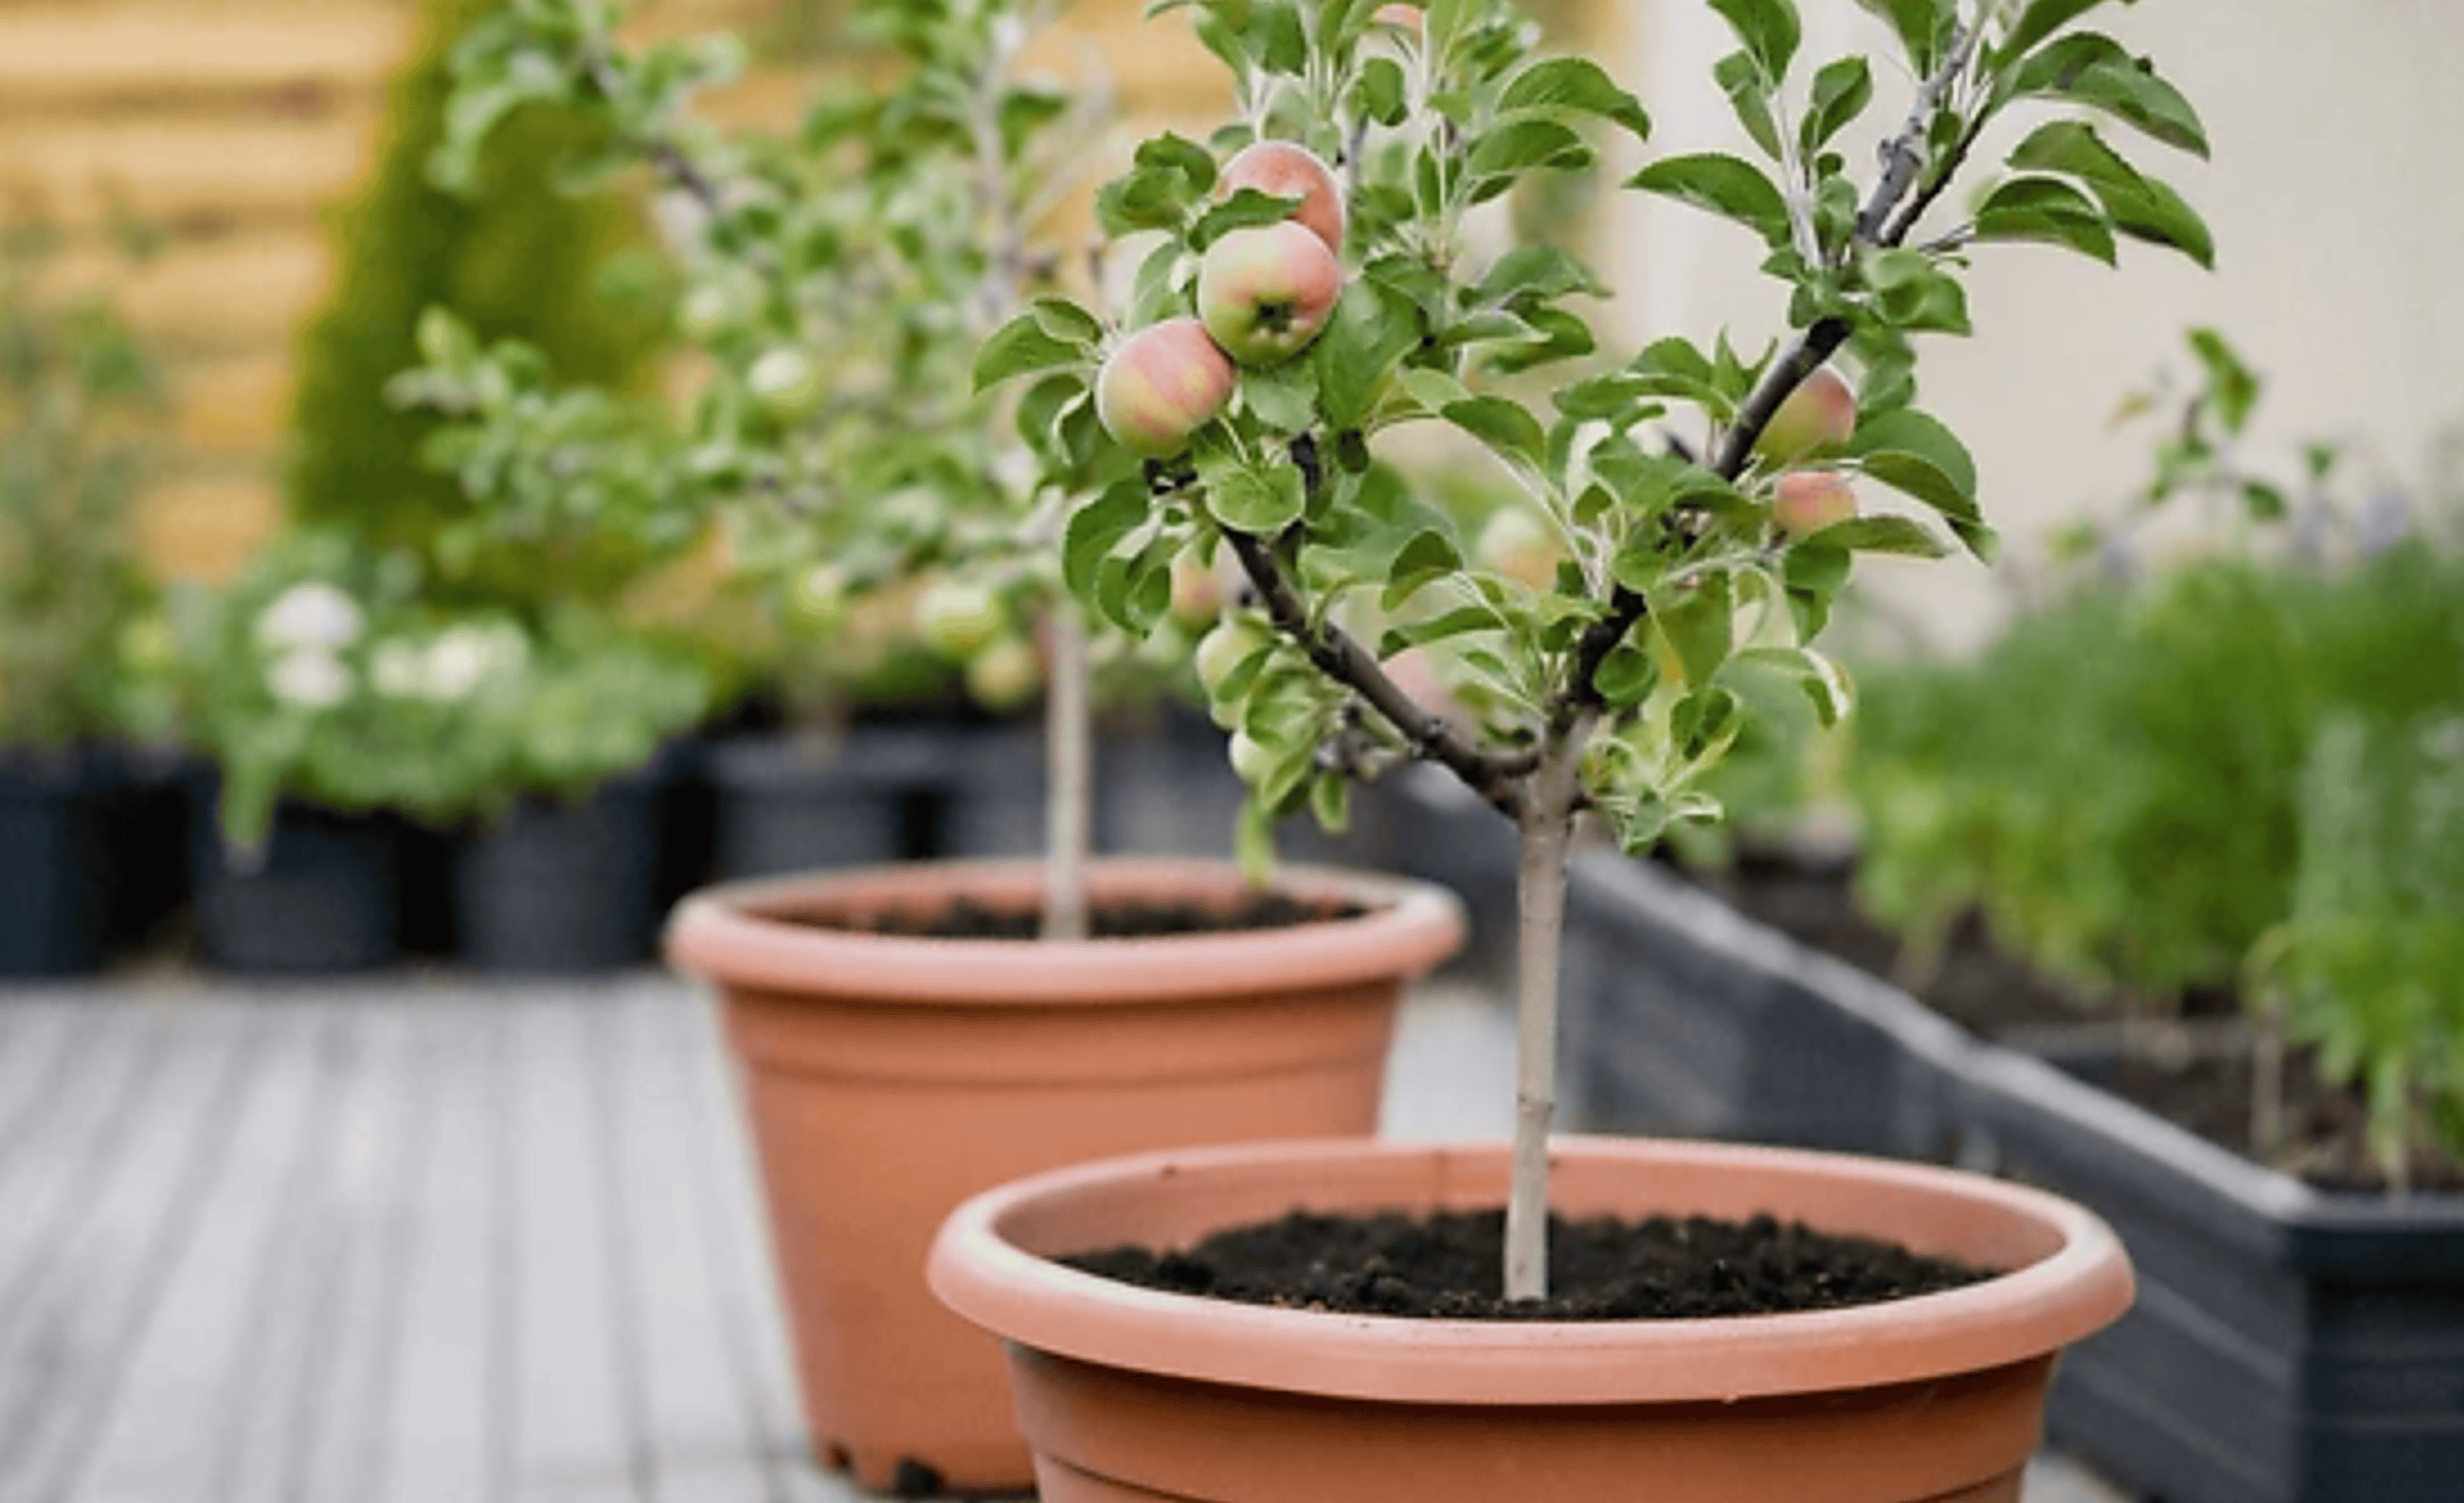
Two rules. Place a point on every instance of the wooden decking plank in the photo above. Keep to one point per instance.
(574, 1438)
(701, 1430)
(69, 1141)
(446, 1432)
(380, 1163)
(173, 1416)
(305, 1345)
(105, 1276)
(34, 1036)
(752, 1320)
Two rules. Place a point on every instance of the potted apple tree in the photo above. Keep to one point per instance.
(1703, 501)
(911, 1033)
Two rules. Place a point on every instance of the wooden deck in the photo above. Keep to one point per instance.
(428, 1240)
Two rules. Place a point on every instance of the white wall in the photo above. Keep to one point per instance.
(2337, 197)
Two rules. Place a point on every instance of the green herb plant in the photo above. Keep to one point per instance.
(1701, 495)
(834, 283)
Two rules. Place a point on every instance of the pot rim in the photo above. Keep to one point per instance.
(735, 934)
(2082, 1285)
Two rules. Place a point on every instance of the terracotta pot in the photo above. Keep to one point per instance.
(888, 1079)
(1127, 1393)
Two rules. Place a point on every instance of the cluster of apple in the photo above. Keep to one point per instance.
(1263, 293)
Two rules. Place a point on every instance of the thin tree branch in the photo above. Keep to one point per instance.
(1342, 657)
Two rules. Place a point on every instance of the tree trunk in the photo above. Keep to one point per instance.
(1069, 735)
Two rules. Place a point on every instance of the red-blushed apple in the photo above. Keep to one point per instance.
(1520, 547)
(1266, 290)
(1809, 500)
(1289, 171)
(1160, 386)
(1821, 414)
(960, 617)
(1234, 641)
(784, 381)
(1006, 675)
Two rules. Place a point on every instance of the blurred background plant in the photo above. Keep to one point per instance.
(81, 648)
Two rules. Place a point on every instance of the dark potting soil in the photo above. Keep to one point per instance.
(2192, 1063)
(968, 919)
(1450, 1266)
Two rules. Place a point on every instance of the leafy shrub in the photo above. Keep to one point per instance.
(75, 637)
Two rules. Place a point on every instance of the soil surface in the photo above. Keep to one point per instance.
(968, 919)
(2190, 1059)
(1450, 1266)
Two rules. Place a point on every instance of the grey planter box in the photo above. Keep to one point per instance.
(2288, 1346)
(1681, 1015)
(782, 804)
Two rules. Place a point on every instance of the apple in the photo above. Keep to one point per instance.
(1287, 171)
(1006, 675)
(960, 617)
(1809, 500)
(1266, 290)
(784, 381)
(1821, 414)
(1520, 547)
(1234, 641)
(1197, 592)
(1160, 386)
(1251, 759)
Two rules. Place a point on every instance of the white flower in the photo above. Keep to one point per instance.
(399, 670)
(312, 615)
(462, 658)
(308, 678)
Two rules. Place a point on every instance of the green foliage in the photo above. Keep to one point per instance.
(1675, 584)
(327, 673)
(2369, 954)
(512, 258)
(78, 639)
(833, 288)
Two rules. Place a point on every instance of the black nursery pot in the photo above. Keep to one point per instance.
(780, 804)
(563, 887)
(54, 863)
(323, 896)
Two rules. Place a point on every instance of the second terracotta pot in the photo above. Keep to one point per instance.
(888, 1079)
(1134, 1395)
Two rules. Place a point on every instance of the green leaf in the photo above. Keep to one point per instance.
(1260, 499)
(1699, 623)
(1916, 455)
(1279, 38)
(1245, 210)
(1770, 31)
(1148, 198)
(2095, 71)
(1095, 529)
(1535, 273)
(1922, 26)
(1576, 84)
(2232, 386)
(2041, 19)
(1627, 676)
(1172, 152)
(1748, 93)
(1529, 141)
(1373, 327)
(2138, 206)
(1285, 397)
(1722, 185)
(1503, 425)
(1884, 534)
(1380, 93)
(1825, 682)
(1430, 556)
(1462, 621)
(1841, 90)
(2047, 210)
(1020, 346)
(1913, 293)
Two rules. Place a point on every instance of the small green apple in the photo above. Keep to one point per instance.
(1234, 641)
(785, 382)
(1006, 675)
(960, 617)
(1265, 291)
